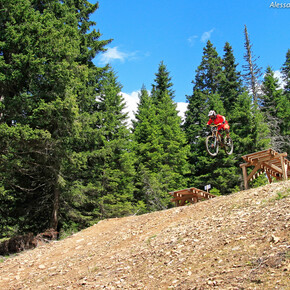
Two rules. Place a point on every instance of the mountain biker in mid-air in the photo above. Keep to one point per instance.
(219, 120)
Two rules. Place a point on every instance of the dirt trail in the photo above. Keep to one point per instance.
(240, 241)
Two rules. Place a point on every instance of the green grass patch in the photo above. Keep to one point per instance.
(150, 238)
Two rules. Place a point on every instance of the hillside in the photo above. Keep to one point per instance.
(241, 241)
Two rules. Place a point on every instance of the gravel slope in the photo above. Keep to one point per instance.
(240, 241)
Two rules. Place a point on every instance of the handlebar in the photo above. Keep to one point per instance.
(214, 125)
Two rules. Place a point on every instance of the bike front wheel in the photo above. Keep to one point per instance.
(229, 145)
(212, 146)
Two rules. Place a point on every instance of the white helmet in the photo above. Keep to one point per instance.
(212, 113)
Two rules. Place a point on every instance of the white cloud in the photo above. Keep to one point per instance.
(278, 75)
(114, 53)
(191, 40)
(206, 35)
(182, 107)
(132, 101)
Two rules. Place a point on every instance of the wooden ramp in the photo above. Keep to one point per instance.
(192, 195)
(274, 164)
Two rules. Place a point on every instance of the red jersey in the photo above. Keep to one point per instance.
(219, 119)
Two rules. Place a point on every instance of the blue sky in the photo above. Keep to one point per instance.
(146, 32)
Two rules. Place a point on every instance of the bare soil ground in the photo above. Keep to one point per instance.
(240, 241)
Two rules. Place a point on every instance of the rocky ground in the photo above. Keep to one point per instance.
(240, 241)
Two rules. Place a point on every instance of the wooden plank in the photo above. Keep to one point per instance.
(179, 191)
(179, 198)
(186, 189)
(257, 153)
(272, 167)
(185, 193)
(265, 159)
(200, 193)
(276, 159)
(187, 198)
(204, 196)
(270, 153)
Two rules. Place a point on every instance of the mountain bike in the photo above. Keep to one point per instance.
(216, 140)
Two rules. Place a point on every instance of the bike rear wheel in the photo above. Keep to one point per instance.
(229, 146)
(212, 146)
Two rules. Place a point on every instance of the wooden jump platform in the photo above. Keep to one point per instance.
(274, 164)
(191, 195)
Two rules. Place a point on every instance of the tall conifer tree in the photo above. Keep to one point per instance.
(149, 152)
(42, 76)
(206, 83)
(286, 73)
(231, 84)
(253, 71)
(284, 104)
(271, 99)
(113, 168)
(260, 130)
(159, 135)
(205, 97)
(173, 139)
(146, 132)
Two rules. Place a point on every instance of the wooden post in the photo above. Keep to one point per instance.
(245, 177)
(284, 172)
(269, 177)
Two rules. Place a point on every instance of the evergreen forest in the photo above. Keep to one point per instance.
(67, 155)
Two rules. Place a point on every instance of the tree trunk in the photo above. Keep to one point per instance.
(55, 211)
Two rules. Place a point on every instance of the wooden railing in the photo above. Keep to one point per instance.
(191, 195)
(274, 164)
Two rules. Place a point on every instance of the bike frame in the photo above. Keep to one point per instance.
(215, 133)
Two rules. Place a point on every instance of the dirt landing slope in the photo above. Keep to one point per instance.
(241, 241)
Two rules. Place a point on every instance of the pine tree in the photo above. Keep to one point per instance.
(271, 99)
(160, 143)
(286, 73)
(253, 71)
(172, 137)
(146, 133)
(284, 104)
(163, 84)
(149, 151)
(249, 130)
(40, 99)
(42, 78)
(206, 83)
(231, 84)
(205, 97)
(260, 129)
(115, 171)
(104, 186)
